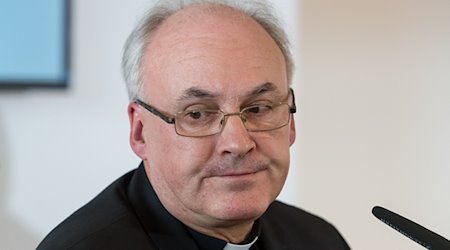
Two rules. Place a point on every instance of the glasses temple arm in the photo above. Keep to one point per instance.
(155, 112)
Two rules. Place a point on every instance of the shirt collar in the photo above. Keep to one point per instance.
(247, 246)
(206, 242)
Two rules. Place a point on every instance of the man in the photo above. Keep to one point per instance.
(211, 117)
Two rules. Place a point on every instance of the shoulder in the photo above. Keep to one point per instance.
(107, 219)
(292, 226)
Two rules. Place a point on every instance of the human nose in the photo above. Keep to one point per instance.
(234, 138)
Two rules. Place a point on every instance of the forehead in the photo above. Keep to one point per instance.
(214, 48)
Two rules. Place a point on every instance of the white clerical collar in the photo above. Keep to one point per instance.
(230, 246)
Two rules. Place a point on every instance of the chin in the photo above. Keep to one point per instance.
(241, 211)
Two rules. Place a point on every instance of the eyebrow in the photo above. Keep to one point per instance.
(261, 89)
(198, 93)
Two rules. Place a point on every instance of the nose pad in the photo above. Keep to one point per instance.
(243, 119)
(223, 121)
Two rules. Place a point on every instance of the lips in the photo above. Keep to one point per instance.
(235, 170)
(238, 173)
(234, 167)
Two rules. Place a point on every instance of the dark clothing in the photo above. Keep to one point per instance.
(128, 215)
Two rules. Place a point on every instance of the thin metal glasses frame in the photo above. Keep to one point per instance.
(171, 120)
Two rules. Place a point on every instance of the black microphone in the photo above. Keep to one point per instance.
(412, 230)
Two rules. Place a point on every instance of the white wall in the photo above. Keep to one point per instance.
(373, 120)
(375, 115)
(59, 148)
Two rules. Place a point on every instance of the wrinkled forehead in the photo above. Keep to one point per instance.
(214, 48)
(202, 17)
(205, 24)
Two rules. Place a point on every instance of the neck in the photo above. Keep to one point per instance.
(235, 234)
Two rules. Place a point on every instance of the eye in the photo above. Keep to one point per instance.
(195, 114)
(258, 109)
(200, 115)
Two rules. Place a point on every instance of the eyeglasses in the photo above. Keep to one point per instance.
(205, 122)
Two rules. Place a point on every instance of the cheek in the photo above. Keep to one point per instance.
(176, 157)
(157, 142)
(275, 146)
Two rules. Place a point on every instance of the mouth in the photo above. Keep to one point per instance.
(238, 181)
(236, 170)
(248, 174)
(238, 174)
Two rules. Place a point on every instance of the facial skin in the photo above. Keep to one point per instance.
(215, 57)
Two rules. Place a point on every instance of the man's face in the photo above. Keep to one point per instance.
(212, 60)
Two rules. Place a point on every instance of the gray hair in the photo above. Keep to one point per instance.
(132, 69)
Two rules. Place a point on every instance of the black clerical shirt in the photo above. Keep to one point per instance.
(129, 215)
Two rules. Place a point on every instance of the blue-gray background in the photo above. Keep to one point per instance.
(32, 41)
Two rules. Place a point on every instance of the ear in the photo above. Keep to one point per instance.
(292, 131)
(137, 140)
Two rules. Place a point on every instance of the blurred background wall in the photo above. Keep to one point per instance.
(375, 115)
(373, 87)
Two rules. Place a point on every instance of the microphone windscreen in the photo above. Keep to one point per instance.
(412, 230)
